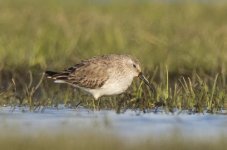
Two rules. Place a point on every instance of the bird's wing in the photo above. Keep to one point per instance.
(91, 74)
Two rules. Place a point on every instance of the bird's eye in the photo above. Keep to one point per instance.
(134, 65)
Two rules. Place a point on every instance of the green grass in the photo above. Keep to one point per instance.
(182, 47)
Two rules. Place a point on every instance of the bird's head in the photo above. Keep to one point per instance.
(134, 64)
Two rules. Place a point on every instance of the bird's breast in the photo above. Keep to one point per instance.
(116, 85)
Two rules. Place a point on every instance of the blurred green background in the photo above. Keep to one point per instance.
(171, 38)
(183, 35)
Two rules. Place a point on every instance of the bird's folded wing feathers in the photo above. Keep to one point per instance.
(85, 74)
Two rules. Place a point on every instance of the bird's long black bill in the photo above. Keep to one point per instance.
(144, 79)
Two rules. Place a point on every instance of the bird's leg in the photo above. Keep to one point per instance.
(99, 103)
(119, 105)
(78, 104)
(76, 92)
(94, 107)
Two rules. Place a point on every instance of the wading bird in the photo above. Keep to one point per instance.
(102, 75)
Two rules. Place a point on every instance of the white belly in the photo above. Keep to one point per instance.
(112, 87)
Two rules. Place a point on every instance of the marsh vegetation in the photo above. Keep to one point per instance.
(181, 45)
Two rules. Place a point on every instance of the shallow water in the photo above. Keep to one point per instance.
(131, 124)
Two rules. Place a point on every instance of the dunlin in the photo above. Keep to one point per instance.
(102, 75)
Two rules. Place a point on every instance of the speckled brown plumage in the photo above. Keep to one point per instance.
(103, 75)
(91, 73)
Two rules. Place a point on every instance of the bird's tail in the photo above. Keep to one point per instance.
(61, 77)
(51, 74)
